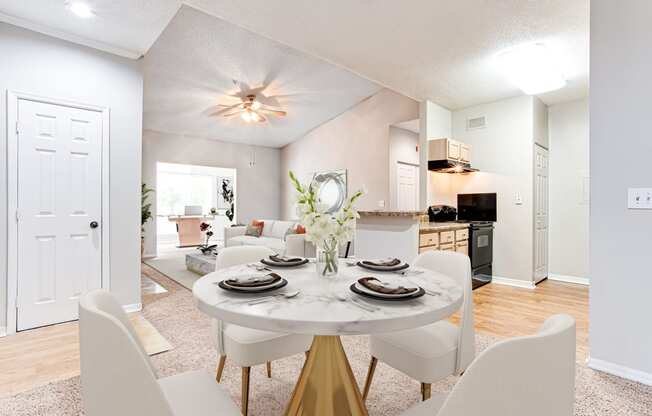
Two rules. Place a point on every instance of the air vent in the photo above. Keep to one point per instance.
(476, 123)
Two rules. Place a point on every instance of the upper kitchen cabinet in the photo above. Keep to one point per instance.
(447, 149)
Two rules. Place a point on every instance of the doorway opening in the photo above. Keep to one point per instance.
(188, 196)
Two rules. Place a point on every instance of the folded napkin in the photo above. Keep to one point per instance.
(386, 288)
(382, 263)
(253, 280)
(284, 259)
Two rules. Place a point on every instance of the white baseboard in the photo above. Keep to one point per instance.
(3, 331)
(148, 256)
(568, 279)
(512, 282)
(135, 307)
(620, 371)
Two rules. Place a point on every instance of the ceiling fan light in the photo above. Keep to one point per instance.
(246, 116)
(255, 105)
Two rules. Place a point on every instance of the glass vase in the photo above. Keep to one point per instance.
(327, 261)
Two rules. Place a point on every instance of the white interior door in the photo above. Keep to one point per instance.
(59, 211)
(540, 213)
(407, 182)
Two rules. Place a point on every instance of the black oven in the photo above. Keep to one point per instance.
(481, 241)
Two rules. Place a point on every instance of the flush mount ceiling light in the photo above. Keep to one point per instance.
(81, 9)
(532, 68)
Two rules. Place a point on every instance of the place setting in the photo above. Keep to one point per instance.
(277, 260)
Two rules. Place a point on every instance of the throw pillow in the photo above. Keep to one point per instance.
(255, 229)
(300, 229)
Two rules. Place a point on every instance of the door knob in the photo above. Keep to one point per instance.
(94, 224)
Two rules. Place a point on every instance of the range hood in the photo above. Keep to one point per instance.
(449, 156)
(450, 166)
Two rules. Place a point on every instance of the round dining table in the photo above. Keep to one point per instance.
(326, 308)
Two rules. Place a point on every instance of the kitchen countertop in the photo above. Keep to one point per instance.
(442, 226)
(414, 214)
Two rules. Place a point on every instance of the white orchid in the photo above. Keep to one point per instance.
(325, 230)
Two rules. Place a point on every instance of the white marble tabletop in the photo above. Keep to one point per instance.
(319, 309)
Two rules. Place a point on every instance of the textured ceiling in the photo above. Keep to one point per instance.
(123, 27)
(191, 68)
(439, 50)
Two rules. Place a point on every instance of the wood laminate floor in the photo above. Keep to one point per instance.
(35, 357)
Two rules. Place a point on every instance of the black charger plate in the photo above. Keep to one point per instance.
(415, 295)
(384, 268)
(274, 264)
(281, 284)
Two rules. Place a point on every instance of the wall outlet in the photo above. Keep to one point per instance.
(639, 198)
(381, 204)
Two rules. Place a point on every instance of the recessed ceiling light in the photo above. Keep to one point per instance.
(81, 9)
(532, 68)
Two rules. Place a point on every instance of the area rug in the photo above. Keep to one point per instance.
(177, 318)
(173, 265)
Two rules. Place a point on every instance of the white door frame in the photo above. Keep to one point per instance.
(417, 179)
(534, 214)
(12, 193)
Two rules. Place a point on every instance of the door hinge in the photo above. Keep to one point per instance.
(17, 216)
(17, 127)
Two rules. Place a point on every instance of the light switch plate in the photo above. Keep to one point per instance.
(381, 204)
(639, 198)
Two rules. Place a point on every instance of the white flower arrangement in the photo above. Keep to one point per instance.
(325, 230)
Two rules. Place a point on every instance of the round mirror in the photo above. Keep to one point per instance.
(332, 190)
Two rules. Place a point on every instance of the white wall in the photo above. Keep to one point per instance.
(621, 148)
(569, 181)
(503, 151)
(37, 64)
(403, 146)
(257, 187)
(540, 120)
(435, 122)
(358, 141)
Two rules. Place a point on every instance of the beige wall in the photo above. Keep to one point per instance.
(569, 181)
(257, 187)
(358, 141)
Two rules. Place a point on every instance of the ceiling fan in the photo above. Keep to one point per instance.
(250, 110)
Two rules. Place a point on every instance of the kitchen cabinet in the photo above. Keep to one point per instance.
(442, 237)
(440, 149)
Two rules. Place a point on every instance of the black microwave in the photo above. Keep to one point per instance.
(476, 207)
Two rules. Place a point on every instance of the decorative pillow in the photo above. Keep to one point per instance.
(255, 229)
(297, 229)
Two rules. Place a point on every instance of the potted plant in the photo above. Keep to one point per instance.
(326, 230)
(207, 229)
(145, 214)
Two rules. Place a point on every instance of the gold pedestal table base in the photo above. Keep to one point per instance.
(326, 386)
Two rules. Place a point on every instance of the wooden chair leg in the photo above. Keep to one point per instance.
(245, 390)
(220, 368)
(269, 369)
(370, 376)
(425, 391)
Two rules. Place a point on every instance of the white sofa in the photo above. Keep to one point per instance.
(273, 237)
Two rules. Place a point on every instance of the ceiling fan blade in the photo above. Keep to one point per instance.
(216, 110)
(279, 113)
(261, 118)
(232, 113)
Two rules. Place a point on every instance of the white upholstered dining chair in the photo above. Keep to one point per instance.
(533, 376)
(432, 352)
(117, 377)
(247, 347)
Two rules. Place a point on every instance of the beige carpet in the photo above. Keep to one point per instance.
(178, 320)
(173, 265)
